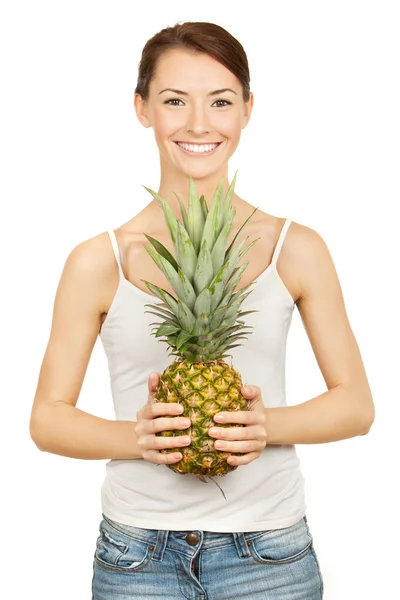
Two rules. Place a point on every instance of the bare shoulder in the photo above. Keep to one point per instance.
(297, 239)
(302, 248)
(309, 256)
(91, 265)
(323, 312)
(80, 300)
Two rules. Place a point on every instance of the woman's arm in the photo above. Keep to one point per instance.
(347, 408)
(56, 425)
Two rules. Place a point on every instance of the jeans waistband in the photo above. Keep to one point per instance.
(187, 542)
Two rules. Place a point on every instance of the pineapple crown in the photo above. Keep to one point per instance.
(201, 323)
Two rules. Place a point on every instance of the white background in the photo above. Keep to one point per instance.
(322, 147)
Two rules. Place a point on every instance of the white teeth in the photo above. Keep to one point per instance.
(198, 148)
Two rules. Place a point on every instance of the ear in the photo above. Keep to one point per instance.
(248, 107)
(141, 110)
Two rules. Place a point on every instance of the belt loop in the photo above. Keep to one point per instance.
(162, 539)
(241, 545)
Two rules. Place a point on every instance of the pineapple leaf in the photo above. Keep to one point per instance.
(163, 295)
(182, 338)
(163, 312)
(245, 313)
(233, 338)
(178, 281)
(227, 204)
(229, 321)
(183, 348)
(233, 308)
(227, 355)
(163, 251)
(234, 241)
(202, 324)
(230, 336)
(167, 322)
(213, 221)
(183, 213)
(218, 252)
(185, 316)
(204, 269)
(203, 303)
(166, 329)
(204, 319)
(239, 293)
(241, 254)
(161, 316)
(234, 280)
(220, 331)
(195, 217)
(233, 346)
(169, 216)
(218, 284)
(186, 252)
(204, 206)
(217, 317)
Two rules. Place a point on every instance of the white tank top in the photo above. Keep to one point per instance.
(266, 494)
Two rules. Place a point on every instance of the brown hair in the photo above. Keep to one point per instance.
(208, 38)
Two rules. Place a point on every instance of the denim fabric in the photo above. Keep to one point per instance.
(278, 564)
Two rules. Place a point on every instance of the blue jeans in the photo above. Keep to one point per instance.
(131, 562)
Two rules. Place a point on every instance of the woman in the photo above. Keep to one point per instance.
(161, 533)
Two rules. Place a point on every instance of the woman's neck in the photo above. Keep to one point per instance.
(170, 184)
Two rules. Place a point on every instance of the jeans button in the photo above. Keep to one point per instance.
(192, 539)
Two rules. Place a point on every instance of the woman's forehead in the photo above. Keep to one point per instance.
(179, 69)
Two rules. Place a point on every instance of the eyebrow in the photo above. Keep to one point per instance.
(182, 93)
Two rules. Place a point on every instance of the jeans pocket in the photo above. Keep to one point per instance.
(118, 552)
(281, 546)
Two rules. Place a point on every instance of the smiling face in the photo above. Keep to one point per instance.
(196, 109)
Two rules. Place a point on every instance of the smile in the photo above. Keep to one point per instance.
(203, 149)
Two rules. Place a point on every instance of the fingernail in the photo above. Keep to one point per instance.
(247, 390)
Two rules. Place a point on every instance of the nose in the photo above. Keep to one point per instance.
(197, 122)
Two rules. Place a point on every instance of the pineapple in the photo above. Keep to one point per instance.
(201, 323)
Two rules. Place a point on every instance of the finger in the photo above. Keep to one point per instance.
(153, 382)
(251, 391)
(243, 417)
(232, 433)
(252, 432)
(160, 458)
(167, 424)
(168, 442)
(239, 447)
(246, 459)
(159, 409)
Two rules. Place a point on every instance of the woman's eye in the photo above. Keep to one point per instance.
(173, 101)
(225, 102)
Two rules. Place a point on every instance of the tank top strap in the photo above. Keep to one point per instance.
(114, 243)
(280, 241)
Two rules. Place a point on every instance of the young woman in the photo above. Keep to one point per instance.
(163, 534)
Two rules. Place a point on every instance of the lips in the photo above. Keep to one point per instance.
(198, 149)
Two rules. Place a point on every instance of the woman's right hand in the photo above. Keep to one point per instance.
(150, 421)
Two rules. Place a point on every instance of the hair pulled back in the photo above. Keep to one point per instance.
(204, 37)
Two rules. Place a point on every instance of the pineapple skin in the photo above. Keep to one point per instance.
(203, 389)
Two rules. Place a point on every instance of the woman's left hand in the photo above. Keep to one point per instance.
(249, 440)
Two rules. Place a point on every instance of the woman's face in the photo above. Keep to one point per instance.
(196, 109)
